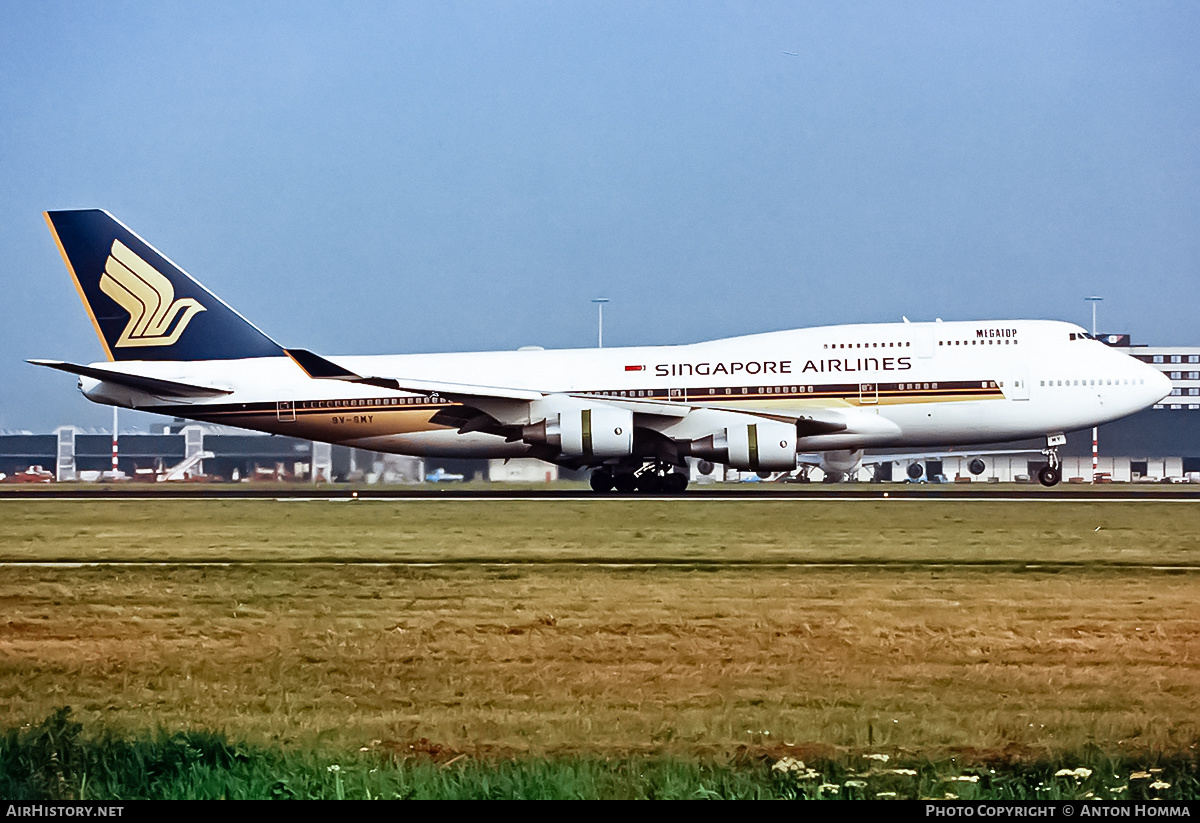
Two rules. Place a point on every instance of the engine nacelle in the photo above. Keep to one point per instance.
(767, 445)
(845, 461)
(601, 432)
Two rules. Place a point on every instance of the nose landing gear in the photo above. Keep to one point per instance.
(1049, 476)
(1051, 473)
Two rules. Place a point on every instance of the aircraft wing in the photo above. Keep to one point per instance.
(150, 385)
(485, 398)
(942, 455)
(818, 459)
(319, 368)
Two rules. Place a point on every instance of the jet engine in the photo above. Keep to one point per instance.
(842, 462)
(597, 432)
(767, 445)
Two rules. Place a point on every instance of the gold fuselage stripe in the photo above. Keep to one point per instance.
(337, 420)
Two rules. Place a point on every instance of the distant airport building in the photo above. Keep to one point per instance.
(522, 470)
(196, 450)
(1156, 444)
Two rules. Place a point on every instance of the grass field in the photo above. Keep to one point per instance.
(612, 628)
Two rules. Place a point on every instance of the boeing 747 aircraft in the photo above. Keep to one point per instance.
(755, 403)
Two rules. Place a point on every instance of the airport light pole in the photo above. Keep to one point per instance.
(1095, 429)
(1093, 300)
(600, 301)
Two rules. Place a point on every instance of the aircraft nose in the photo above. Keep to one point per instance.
(1158, 385)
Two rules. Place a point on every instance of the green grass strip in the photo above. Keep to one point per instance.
(56, 760)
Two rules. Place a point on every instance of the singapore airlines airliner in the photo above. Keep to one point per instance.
(755, 403)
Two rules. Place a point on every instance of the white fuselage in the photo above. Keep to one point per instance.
(899, 384)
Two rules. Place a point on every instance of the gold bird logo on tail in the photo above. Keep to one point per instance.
(149, 298)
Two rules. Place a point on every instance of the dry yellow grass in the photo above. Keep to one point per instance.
(555, 656)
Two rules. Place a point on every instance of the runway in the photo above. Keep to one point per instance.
(749, 492)
(1052, 567)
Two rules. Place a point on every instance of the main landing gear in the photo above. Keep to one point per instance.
(1051, 473)
(653, 478)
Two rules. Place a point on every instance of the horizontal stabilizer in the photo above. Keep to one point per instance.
(150, 385)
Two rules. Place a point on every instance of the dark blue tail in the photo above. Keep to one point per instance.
(143, 306)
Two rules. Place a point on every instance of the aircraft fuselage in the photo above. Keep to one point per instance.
(924, 383)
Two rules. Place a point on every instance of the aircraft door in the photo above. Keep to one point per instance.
(677, 395)
(1019, 387)
(923, 340)
(868, 394)
(285, 411)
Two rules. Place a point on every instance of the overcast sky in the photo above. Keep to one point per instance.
(403, 177)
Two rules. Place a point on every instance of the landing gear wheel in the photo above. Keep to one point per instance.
(602, 480)
(675, 483)
(1049, 476)
(649, 483)
(625, 482)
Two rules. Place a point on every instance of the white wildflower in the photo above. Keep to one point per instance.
(1079, 774)
(1160, 784)
(882, 758)
(787, 765)
(795, 769)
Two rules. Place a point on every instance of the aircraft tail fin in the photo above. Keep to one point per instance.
(143, 306)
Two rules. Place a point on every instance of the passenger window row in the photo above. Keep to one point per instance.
(867, 345)
(1125, 382)
(989, 342)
